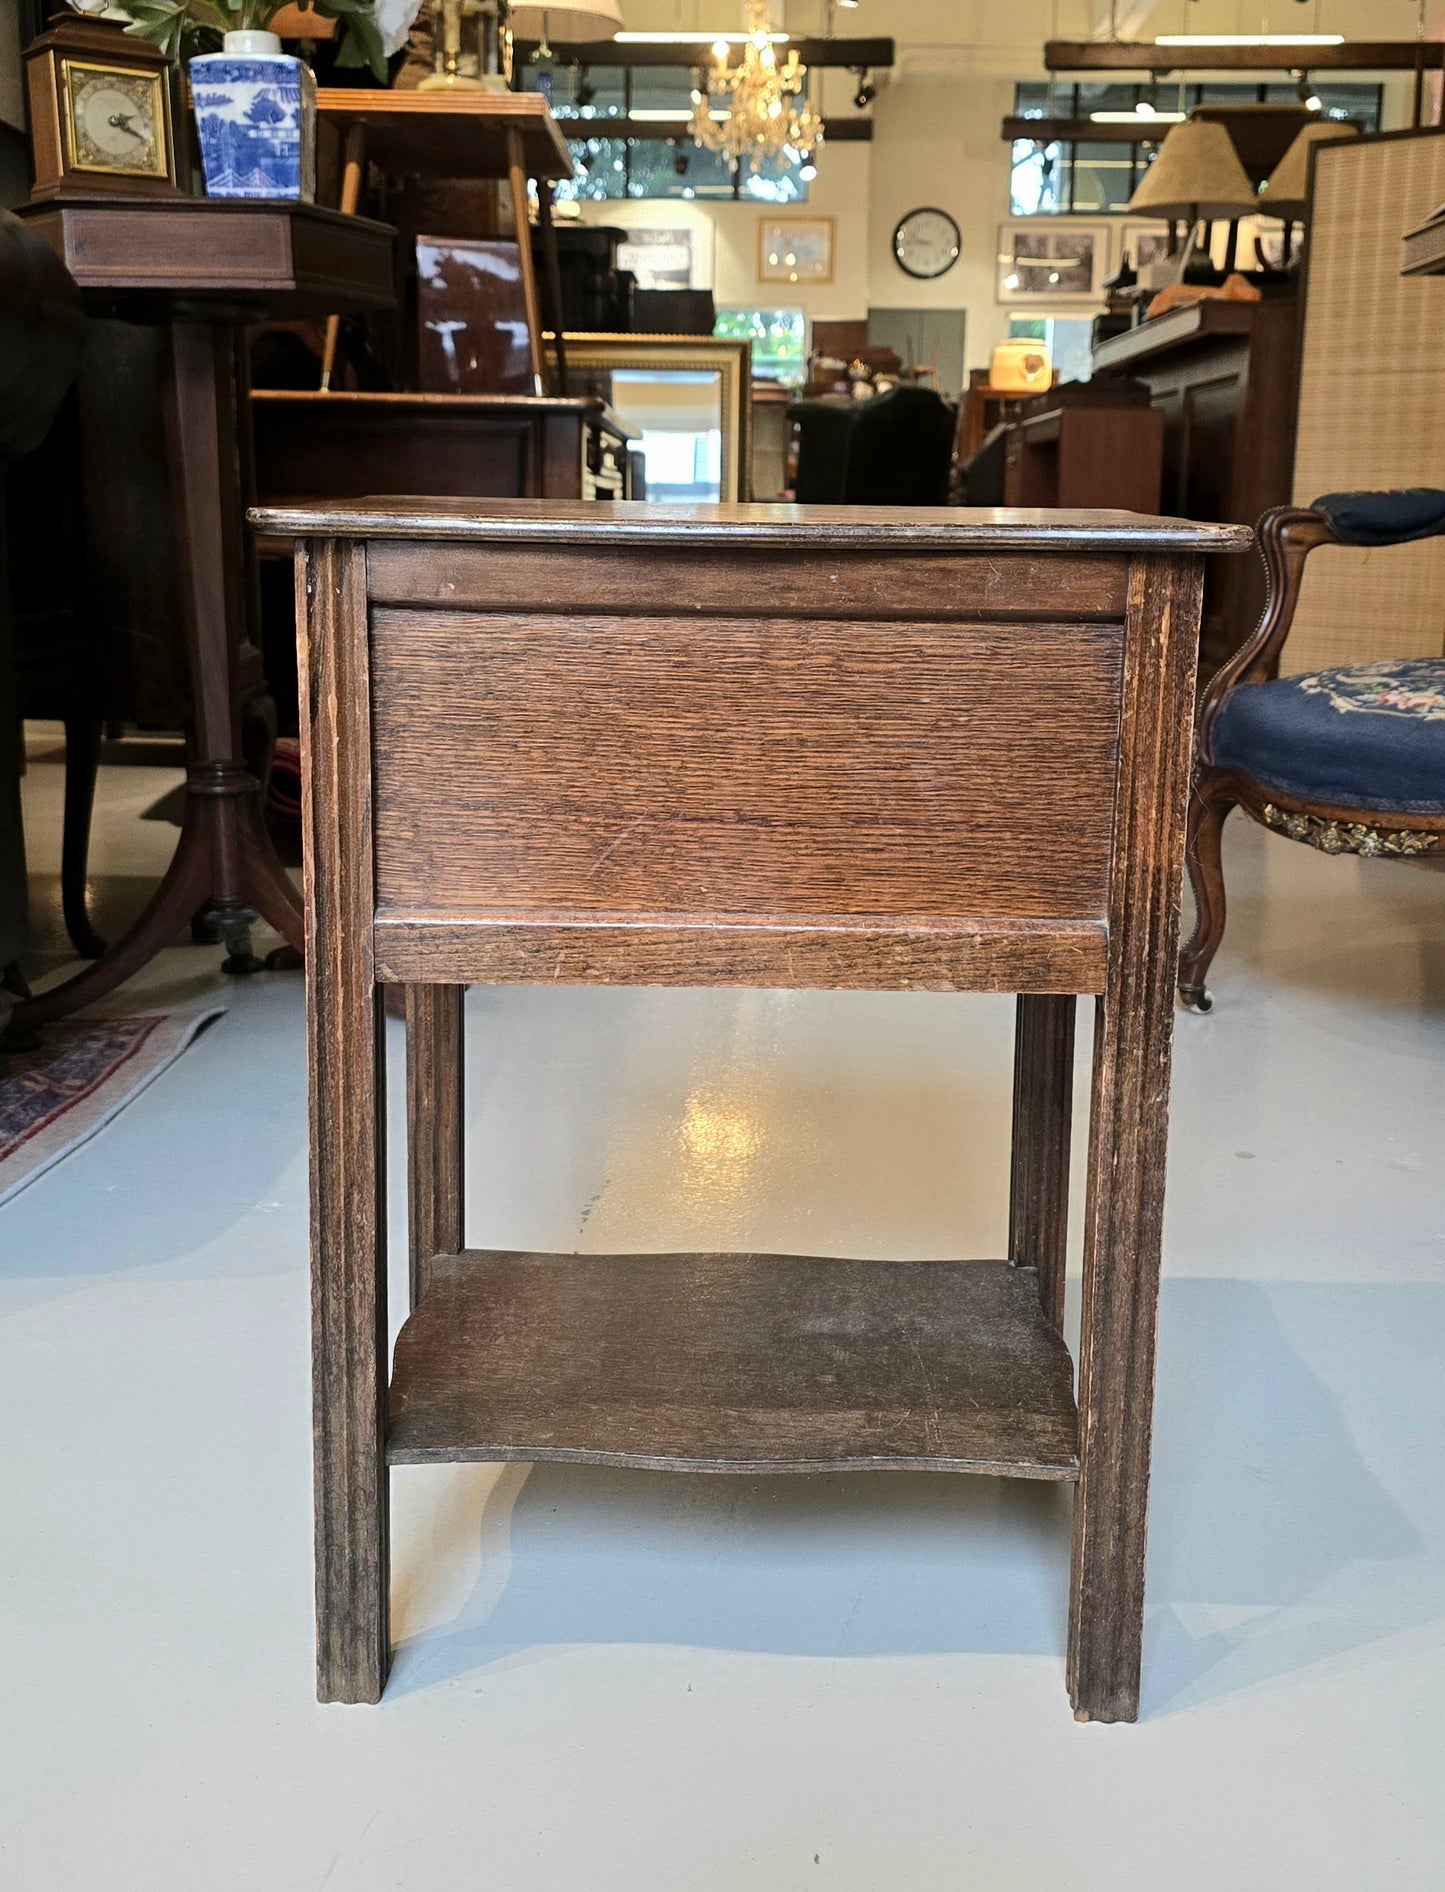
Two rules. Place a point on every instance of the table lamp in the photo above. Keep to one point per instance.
(577, 22)
(1196, 176)
(1286, 190)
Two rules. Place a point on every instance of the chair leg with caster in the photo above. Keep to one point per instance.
(1207, 815)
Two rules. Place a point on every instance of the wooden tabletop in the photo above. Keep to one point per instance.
(285, 258)
(1196, 322)
(450, 134)
(642, 522)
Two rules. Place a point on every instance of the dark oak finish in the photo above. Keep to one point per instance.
(826, 781)
(902, 953)
(1086, 455)
(345, 445)
(815, 785)
(435, 1136)
(608, 578)
(1128, 1142)
(1287, 537)
(200, 270)
(1224, 376)
(1043, 1120)
(346, 1044)
(734, 1363)
(880, 530)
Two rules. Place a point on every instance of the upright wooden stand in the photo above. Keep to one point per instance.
(503, 135)
(926, 750)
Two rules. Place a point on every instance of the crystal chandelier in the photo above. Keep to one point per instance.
(757, 101)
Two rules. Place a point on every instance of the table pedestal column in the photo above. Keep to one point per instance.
(225, 872)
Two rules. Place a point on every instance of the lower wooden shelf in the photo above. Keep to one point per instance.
(734, 1363)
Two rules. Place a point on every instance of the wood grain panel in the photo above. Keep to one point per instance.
(616, 766)
(831, 953)
(1018, 586)
(777, 1363)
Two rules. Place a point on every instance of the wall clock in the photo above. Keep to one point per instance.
(927, 244)
(100, 111)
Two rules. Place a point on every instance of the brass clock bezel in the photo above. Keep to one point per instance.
(163, 172)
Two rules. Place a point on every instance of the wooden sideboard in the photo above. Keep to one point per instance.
(1224, 375)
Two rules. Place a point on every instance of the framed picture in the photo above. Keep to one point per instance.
(795, 249)
(1145, 243)
(660, 258)
(1040, 266)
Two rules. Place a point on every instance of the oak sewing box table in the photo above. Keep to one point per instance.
(760, 746)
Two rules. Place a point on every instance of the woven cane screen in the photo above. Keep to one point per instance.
(1372, 399)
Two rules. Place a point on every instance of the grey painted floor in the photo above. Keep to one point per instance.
(661, 1684)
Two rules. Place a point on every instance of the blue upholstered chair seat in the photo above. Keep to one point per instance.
(1370, 737)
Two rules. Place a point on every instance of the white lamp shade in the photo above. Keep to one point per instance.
(1196, 174)
(576, 22)
(1286, 191)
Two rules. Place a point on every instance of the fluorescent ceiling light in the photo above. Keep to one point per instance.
(1137, 118)
(1249, 39)
(691, 39)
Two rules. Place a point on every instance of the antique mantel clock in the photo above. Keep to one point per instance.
(100, 111)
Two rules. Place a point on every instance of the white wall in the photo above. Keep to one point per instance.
(840, 191)
(936, 134)
(936, 141)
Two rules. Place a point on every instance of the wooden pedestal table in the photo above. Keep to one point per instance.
(759, 746)
(204, 270)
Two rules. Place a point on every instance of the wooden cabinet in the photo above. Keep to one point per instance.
(1223, 374)
(897, 750)
(1086, 456)
(474, 446)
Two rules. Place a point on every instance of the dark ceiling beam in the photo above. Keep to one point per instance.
(1049, 131)
(1121, 55)
(836, 131)
(849, 54)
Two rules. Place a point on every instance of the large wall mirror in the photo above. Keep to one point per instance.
(688, 398)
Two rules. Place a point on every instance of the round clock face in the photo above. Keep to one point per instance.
(926, 243)
(116, 121)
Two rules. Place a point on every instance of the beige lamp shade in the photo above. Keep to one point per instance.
(575, 22)
(1286, 190)
(1196, 174)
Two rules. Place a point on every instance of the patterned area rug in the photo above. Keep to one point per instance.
(84, 1070)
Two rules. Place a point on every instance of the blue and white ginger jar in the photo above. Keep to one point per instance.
(256, 118)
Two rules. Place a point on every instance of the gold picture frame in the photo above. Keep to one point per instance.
(731, 361)
(796, 250)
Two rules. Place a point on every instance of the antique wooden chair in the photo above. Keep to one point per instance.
(1348, 761)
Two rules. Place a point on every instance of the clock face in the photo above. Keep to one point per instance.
(927, 243)
(117, 120)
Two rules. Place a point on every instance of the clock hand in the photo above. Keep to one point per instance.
(120, 121)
